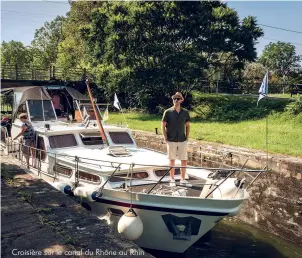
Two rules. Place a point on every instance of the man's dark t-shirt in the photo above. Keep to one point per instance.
(176, 124)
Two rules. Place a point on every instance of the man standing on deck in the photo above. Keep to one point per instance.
(176, 130)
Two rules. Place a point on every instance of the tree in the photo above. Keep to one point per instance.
(15, 53)
(253, 74)
(46, 42)
(281, 58)
(72, 52)
(148, 50)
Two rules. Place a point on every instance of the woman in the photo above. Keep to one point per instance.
(28, 133)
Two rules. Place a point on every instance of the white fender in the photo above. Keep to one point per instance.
(64, 187)
(130, 225)
(83, 192)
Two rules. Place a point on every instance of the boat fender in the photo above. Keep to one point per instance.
(91, 195)
(130, 225)
(67, 189)
(63, 187)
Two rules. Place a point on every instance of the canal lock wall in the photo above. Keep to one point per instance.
(275, 203)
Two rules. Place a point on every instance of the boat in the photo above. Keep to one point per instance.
(113, 177)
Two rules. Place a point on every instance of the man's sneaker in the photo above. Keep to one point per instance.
(185, 183)
(172, 183)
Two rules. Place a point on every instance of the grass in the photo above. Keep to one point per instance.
(284, 132)
(285, 95)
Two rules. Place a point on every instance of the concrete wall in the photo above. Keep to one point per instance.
(275, 204)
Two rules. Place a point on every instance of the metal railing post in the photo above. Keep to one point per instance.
(20, 149)
(39, 163)
(55, 175)
(159, 180)
(76, 169)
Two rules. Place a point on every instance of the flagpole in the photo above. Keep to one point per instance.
(123, 114)
(266, 137)
(263, 93)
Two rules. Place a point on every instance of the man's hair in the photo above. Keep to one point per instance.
(23, 115)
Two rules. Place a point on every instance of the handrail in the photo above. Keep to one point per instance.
(159, 180)
(228, 176)
(100, 192)
(162, 166)
(77, 160)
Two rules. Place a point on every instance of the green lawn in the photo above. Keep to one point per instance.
(284, 133)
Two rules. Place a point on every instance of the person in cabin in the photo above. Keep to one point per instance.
(176, 130)
(56, 100)
(28, 133)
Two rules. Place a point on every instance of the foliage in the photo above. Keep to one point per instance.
(221, 107)
(253, 74)
(7, 99)
(15, 53)
(72, 52)
(148, 50)
(281, 58)
(46, 41)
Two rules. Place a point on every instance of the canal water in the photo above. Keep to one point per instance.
(233, 239)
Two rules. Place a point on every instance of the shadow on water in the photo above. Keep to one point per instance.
(237, 240)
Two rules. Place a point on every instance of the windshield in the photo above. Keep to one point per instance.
(36, 108)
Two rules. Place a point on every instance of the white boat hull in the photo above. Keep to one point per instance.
(157, 233)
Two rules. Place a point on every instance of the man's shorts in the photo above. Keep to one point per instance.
(177, 149)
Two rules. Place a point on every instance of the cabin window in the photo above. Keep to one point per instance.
(89, 177)
(62, 170)
(41, 146)
(135, 175)
(120, 138)
(36, 108)
(161, 172)
(62, 141)
(91, 138)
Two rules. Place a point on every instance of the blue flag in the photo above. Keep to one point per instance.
(263, 91)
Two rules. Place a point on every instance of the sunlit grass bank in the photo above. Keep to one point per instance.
(284, 132)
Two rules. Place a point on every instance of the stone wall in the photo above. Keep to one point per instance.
(275, 203)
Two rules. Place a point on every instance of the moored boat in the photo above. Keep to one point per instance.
(110, 174)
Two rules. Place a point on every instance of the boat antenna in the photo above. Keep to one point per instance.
(97, 115)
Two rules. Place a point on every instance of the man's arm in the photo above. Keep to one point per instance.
(187, 130)
(163, 129)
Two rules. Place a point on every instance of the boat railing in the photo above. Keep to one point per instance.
(38, 156)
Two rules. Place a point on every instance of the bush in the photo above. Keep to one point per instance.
(221, 107)
(295, 107)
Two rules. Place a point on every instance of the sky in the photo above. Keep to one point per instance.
(20, 19)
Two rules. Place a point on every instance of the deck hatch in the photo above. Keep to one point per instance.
(119, 151)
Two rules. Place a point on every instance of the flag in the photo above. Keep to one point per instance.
(116, 102)
(263, 91)
(106, 114)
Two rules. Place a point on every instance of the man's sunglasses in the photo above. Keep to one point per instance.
(177, 99)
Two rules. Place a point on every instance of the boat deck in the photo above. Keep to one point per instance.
(165, 189)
